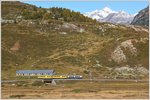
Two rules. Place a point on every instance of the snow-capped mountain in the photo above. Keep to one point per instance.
(108, 15)
(120, 17)
(99, 14)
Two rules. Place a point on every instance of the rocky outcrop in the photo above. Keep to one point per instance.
(129, 45)
(128, 72)
(142, 18)
(16, 46)
(118, 55)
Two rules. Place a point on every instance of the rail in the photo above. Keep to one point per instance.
(98, 80)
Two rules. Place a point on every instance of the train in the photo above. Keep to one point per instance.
(61, 77)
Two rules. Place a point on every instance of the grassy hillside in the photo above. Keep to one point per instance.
(69, 46)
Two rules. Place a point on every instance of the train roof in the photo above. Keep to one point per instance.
(34, 71)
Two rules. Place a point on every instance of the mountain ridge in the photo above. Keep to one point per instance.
(142, 18)
(108, 15)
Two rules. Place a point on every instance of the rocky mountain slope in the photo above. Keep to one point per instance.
(68, 46)
(142, 18)
(108, 15)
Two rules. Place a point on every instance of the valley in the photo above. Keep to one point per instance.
(70, 43)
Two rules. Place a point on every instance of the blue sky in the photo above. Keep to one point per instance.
(131, 7)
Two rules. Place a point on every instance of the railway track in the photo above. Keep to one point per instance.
(97, 80)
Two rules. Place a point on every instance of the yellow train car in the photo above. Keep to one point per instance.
(53, 77)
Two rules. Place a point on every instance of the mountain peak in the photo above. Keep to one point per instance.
(107, 9)
(123, 12)
(108, 15)
(99, 14)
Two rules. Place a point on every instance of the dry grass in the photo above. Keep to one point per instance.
(80, 90)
